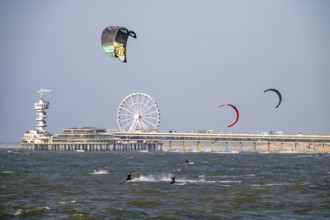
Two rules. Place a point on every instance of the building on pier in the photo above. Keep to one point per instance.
(87, 139)
(40, 135)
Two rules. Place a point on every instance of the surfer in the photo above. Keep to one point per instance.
(187, 161)
(173, 179)
(94, 170)
(128, 176)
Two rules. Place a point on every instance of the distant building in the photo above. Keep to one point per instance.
(279, 132)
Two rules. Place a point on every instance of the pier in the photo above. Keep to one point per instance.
(96, 139)
(135, 139)
(224, 142)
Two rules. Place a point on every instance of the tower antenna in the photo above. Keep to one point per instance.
(42, 91)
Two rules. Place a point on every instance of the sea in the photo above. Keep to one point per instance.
(228, 185)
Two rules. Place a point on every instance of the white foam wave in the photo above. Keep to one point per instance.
(230, 181)
(289, 152)
(251, 174)
(152, 178)
(178, 181)
(277, 184)
(72, 201)
(226, 152)
(100, 172)
(160, 178)
(12, 152)
(271, 184)
(8, 172)
(199, 181)
(24, 212)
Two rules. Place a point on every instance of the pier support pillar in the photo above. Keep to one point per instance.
(310, 146)
(198, 146)
(268, 146)
(226, 146)
(212, 146)
(184, 145)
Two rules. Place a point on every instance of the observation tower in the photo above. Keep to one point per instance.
(40, 107)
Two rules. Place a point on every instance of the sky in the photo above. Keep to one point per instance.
(189, 56)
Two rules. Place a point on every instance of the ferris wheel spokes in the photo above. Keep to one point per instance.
(144, 120)
(132, 112)
(150, 113)
(138, 111)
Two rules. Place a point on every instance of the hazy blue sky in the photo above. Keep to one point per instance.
(190, 56)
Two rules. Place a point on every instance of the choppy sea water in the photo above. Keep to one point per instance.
(64, 185)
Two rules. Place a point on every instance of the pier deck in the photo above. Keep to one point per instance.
(94, 139)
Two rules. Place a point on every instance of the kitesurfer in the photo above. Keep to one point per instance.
(173, 179)
(128, 176)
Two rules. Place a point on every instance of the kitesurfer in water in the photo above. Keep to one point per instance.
(128, 176)
(173, 179)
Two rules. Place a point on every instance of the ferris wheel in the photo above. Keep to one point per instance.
(138, 111)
